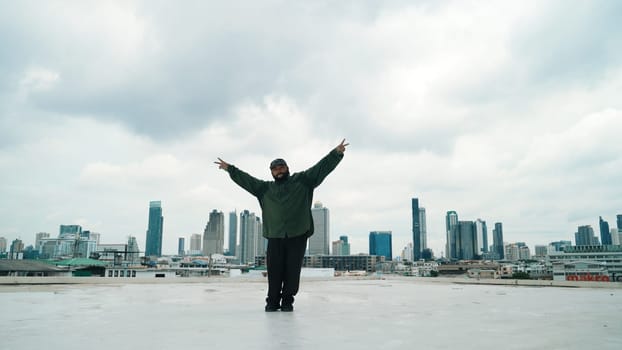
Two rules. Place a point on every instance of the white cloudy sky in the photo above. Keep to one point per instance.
(505, 111)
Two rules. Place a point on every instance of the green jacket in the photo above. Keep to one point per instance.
(286, 206)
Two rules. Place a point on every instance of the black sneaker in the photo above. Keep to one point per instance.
(272, 308)
(287, 308)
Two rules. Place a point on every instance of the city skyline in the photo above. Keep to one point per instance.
(504, 111)
(253, 227)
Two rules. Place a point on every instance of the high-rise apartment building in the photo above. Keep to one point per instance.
(451, 221)
(416, 229)
(380, 244)
(423, 227)
(17, 249)
(69, 231)
(233, 232)
(497, 240)
(38, 237)
(585, 236)
(153, 244)
(517, 251)
(482, 236)
(407, 252)
(181, 246)
(248, 227)
(465, 239)
(605, 234)
(541, 251)
(615, 236)
(524, 253)
(512, 252)
(214, 234)
(341, 247)
(261, 243)
(319, 242)
(195, 244)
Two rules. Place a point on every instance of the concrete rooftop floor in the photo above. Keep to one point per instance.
(393, 313)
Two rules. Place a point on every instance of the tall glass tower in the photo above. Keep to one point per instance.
(417, 239)
(466, 240)
(214, 234)
(482, 236)
(319, 242)
(380, 244)
(497, 240)
(451, 223)
(181, 246)
(605, 233)
(154, 231)
(248, 226)
(233, 232)
(585, 236)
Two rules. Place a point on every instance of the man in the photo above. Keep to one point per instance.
(287, 222)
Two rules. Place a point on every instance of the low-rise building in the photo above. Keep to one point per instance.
(571, 260)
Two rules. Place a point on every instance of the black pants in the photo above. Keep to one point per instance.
(284, 258)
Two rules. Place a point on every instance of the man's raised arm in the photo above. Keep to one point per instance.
(251, 184)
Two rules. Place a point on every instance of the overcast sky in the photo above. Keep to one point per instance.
(506, 111)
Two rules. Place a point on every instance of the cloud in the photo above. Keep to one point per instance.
(504, 111)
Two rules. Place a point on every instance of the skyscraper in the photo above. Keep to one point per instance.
(497, 240)
(181, 247)
(619, 222)
(233, 232)
(261, 243)
(615, 236)
(248, 225)
(69, 231)
(214, 234)
(465, 240)
(319, 242)
(17, 249)
(585, 236)
(380, 244)
(416, 228)
(605, 234)
(423, 229)
(38, 237)
(195, 244)
(153, 245)
(341, 247)
(451, 221)
(2, 245)
(482, 236)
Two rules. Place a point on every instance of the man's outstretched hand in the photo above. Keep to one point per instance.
(222, 164)
(341, 147)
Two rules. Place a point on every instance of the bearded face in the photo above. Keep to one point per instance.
(280, 173)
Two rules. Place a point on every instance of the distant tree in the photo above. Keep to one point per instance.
(520, 276)
(433, 273)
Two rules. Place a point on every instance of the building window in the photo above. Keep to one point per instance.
(133, 273)
(116, 273)
(121, 273)
(109, 273)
